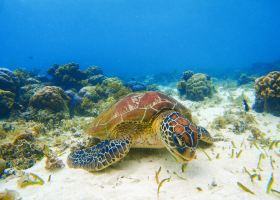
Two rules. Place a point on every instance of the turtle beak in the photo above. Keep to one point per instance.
(186, 156)
(189, 154)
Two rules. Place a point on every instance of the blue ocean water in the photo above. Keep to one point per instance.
(139, 37)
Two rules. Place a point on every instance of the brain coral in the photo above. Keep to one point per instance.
(267, 91)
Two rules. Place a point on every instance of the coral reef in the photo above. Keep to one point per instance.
(96, 98)
(245, 79)
(68, 76)
(187, 74)
(3, 166)
(238, 122)
(136, 86)
(75, 102)
(95, 75)
(7, 101)
(50, 102)
(26, 92)
(195, 86)
(53, 163)
(267, 93)
(22, 153)
(8, 80)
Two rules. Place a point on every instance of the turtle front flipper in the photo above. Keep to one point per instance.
(99, 156)
(205, 136)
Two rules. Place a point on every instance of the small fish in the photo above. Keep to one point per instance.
(157, 175)
(175, 173)
(160, 185)
(261, 157)
(183, 168)
(238, 154)
(50, 177)
(270, 184)
(246, 106)
(245, 188)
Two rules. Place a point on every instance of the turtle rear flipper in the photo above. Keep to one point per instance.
(99, 156)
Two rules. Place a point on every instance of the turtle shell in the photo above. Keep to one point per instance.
(136, 107)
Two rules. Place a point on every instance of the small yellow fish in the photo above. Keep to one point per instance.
(245, 188)
(160, 185)
(270, 184)
(157, 175)
(238, 154)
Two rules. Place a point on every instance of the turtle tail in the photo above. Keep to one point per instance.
(99, 156)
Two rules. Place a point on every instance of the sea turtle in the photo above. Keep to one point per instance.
(140, 120)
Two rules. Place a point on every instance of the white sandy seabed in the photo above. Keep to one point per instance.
(134, 176)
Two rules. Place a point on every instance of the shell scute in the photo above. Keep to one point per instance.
(139, 107)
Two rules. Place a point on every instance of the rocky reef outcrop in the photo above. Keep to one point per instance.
(96, 98)
(9, 84)
(67, 76)
(7, 101)
(267, 93)
(195, 86)
(8, 80)
(245, 79)
(49, 103)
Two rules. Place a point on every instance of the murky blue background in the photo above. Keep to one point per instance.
(128, 37)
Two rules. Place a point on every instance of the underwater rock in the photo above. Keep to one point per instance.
(187, 74)
(22, 153)
(68, 76)
(93, 70)
(96, 79)
(48, 105)
(97, 98)
(92, 93)
(3, 166)
(197, 87)
(75, 102)
(54, 163)
(244, 79)
(8, 80)
(50, 98)
(26, 78)
(26, 92)
(136, 86)
(7, 101)
(267, 93)
(115, 88)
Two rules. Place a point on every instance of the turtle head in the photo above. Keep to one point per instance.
(180, 136)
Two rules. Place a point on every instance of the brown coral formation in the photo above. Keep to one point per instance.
(22, 153)
(50, 103)
(50, 98)
(195, 86)
(267, 89)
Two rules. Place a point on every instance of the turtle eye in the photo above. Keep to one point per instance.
(177, 140)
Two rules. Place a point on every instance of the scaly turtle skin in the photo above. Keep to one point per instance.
(140, 120)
